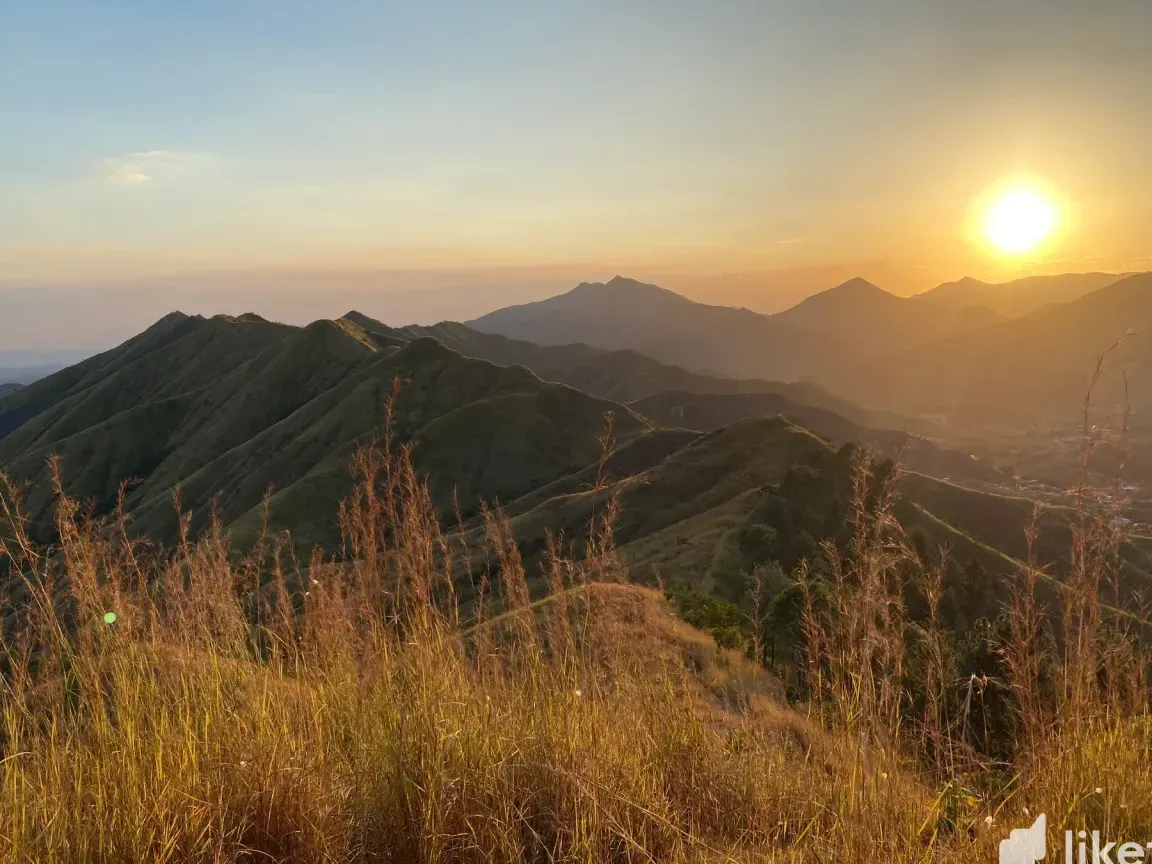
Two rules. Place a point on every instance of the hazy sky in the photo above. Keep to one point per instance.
(145, 139)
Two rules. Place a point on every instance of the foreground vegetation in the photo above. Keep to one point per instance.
(191, 706)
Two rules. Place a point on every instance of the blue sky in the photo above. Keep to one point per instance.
(144, 137)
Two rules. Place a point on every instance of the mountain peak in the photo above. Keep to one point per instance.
(176, 317)
(622, 284)
(857, 294)
(360, 319)
(856, 285)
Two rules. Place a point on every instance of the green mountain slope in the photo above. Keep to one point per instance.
(228, 408)
(709, 479)
(764, 491)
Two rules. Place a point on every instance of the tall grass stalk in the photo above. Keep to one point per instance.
(197, 705)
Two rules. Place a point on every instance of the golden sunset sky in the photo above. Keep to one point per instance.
(745, 152)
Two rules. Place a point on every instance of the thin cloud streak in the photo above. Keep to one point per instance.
(144, 166)
(130, 177)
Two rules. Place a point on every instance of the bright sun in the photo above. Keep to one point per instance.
(1019, 218)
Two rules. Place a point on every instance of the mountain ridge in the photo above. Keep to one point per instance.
(1035, 367)
(873, 321)
(225, 407)
(626, 314)
(621, 375)
(1018, 297)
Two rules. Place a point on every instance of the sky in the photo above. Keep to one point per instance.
(182, 153)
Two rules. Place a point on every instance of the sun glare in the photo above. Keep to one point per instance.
(1019, 219)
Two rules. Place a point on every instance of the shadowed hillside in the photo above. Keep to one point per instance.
(673, 514)
(689, 506)
(708, 412)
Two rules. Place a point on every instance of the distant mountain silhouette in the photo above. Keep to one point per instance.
(28, 374)
(625, 314)
(1019, 297)
(23, 358)
(1037, 367)
(8, 389)
(870, 320)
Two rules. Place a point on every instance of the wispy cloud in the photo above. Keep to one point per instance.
(791, 241)
(145, 166)
(128, 176)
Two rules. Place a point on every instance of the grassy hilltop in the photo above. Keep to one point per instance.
(195, 706)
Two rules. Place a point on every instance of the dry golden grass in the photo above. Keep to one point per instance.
(262, 710)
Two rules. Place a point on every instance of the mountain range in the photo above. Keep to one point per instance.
(947, 355)
(868, 320)
(1036, 368)
(622, 375)
(626, 314)
(19, 366)
(1019, 297)
(229, 410)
